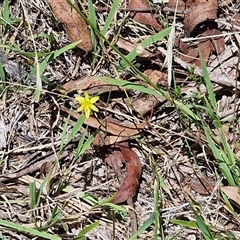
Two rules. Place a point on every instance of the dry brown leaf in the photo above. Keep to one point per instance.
(103, 139)
(172, 4)
(157, 77)
(201, 10)
(145, 104)
(128, 46)
(115, 160)
(130, 184)
(144, 17)
(205, 48)
(91, 84)
(202, 185)
(74, 24)
(117, 129)
(148, 102)
(196, 11)
(218, 42)
(232, 193)
(191, 55)
(236, 19)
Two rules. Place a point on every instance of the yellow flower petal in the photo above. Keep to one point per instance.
(86, 96)
(94, 108)
(87, 112)
(87, 104)
(80, 109)
(94, 99)
(80, 99)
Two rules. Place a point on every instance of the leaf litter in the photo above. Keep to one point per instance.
(74, 24)
(150, 125)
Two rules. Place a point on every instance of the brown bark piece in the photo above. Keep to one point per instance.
(74, 24)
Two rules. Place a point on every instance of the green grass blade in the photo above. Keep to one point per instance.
(38, 89)
(156, 92)
(130, 85)
(203, 228)
(76, 127)
(219, 157)
(55, 54)
(145, 225)
(6, 12)
(24, 229)
(33, 194)
(93, 19)
(64, 133)
(87, 229)
(86, 145)
(189, 224)
(154, 38)
(114, 207)
(86, 197)
(208, 82)
(112, 13)
(2, 73)
(52, 56)
(157, 223)
(79, 147)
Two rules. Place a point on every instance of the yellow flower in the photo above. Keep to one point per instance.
(87, 104)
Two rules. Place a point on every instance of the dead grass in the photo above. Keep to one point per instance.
(172, 147)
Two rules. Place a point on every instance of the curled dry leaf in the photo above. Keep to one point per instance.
(130, 183)
(196, 11)
(143, 17)
(74, 24)
(201, 10)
